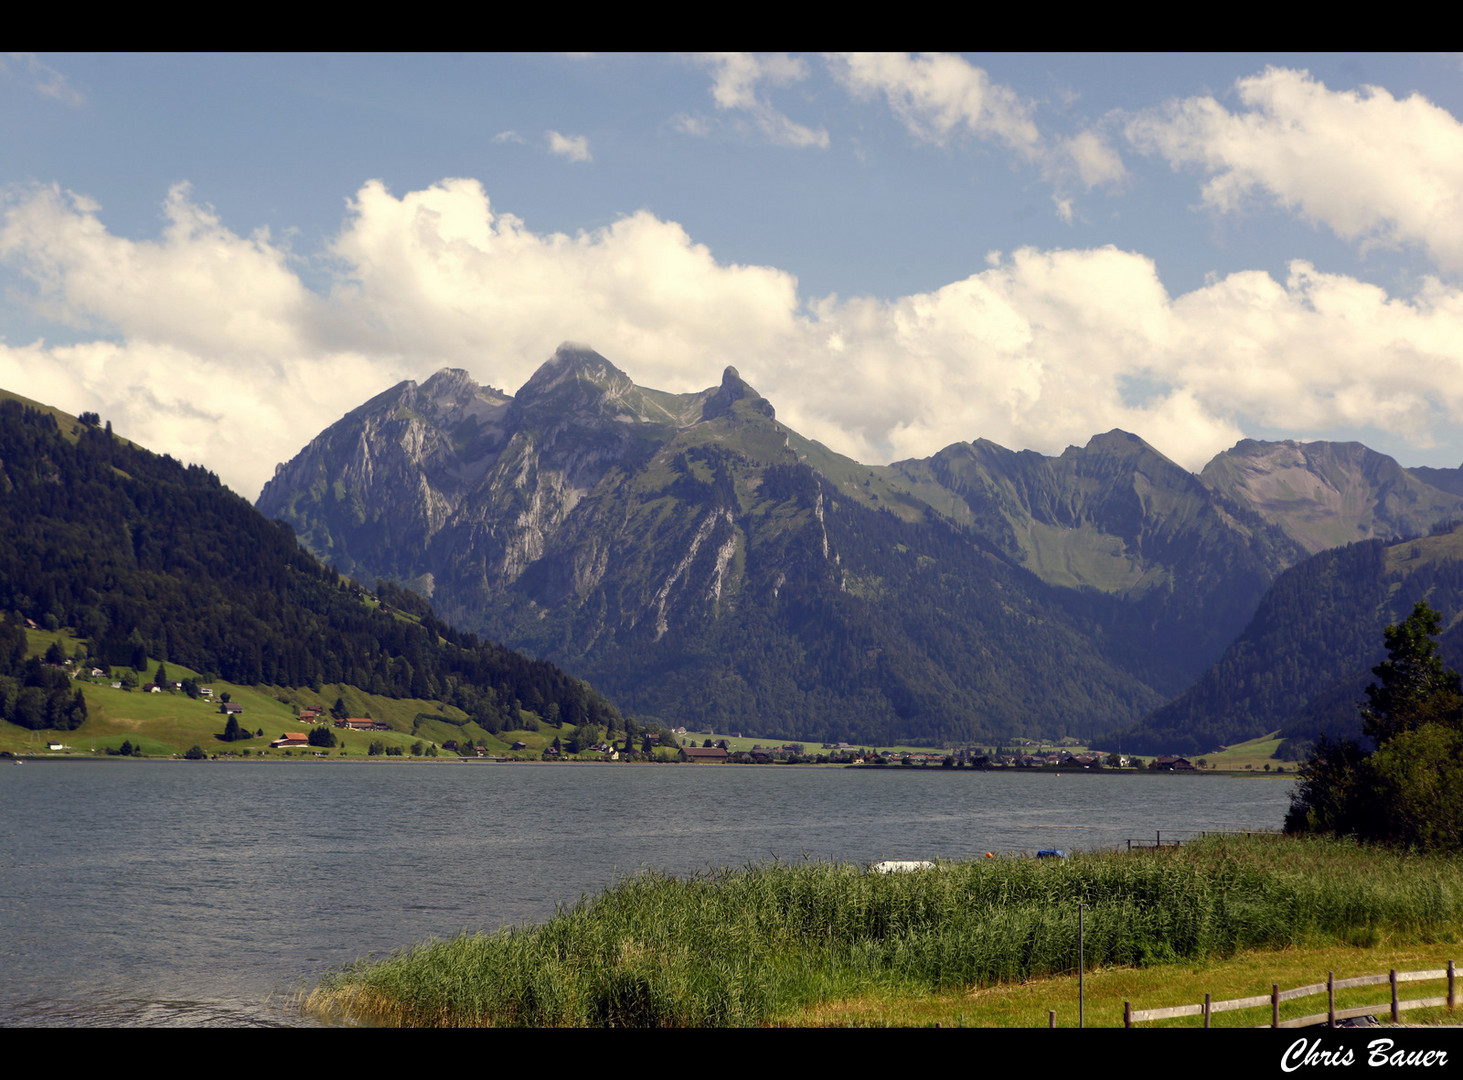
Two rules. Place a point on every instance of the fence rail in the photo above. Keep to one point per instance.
(1396, 1006)
(1136, 844)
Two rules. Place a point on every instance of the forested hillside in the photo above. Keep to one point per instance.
(1303, 662)
(144, 556)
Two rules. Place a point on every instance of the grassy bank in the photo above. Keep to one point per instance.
(1247, 974)
(770, 942)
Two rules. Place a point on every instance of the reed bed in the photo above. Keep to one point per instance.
(736, 947)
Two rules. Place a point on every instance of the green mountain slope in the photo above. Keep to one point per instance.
(1185, 565)
(1304, 660)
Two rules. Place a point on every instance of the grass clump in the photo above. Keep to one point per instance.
(738, 947)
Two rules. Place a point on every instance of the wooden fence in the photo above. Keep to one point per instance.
(1332, 1014)
(1158, 841)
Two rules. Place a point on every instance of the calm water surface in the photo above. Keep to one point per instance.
(193, 893)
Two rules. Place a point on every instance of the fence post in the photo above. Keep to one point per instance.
(1275, 1005)
(1051, 1018)
(1452, 998)
(1330, 999)
(1127, 1014)
(1206, 1010)
(1394, 995)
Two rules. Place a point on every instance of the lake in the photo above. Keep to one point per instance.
(169, 893)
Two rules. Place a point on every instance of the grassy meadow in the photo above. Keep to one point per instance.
(821, 943)
(168, 724)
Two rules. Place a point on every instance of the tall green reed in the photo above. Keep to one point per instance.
(734, 947)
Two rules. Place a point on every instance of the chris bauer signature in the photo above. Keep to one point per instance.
(1303, 1053)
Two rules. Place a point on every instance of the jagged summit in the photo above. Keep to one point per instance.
(1116, 442)
(450, 384)
(573, 362)
(735, 396)
(578, 381)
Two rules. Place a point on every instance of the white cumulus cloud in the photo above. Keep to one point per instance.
(208, 346)
(1373, 168)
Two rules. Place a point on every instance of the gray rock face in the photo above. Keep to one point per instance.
(393, 473)
(1325, 494)
(452, 482)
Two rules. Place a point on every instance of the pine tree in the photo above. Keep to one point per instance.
(1403, 791)
(1412, 688)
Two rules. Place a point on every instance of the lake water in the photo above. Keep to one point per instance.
(209, 894)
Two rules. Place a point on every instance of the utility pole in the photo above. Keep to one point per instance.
(1081, 969)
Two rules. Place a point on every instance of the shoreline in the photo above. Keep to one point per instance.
(1244, 774)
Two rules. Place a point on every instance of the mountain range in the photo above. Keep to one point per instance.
(701, 562)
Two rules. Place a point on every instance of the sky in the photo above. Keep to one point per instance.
(224, 254)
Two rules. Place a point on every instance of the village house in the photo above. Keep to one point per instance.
(358, 723)
(705, 753)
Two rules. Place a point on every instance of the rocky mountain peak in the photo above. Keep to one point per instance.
(450, 397)
(1325, 494)
(574, 369)
(450, 385)
(734, 396)
(577, 381)
(1118, 442)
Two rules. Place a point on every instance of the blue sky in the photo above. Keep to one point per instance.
(224, 254)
